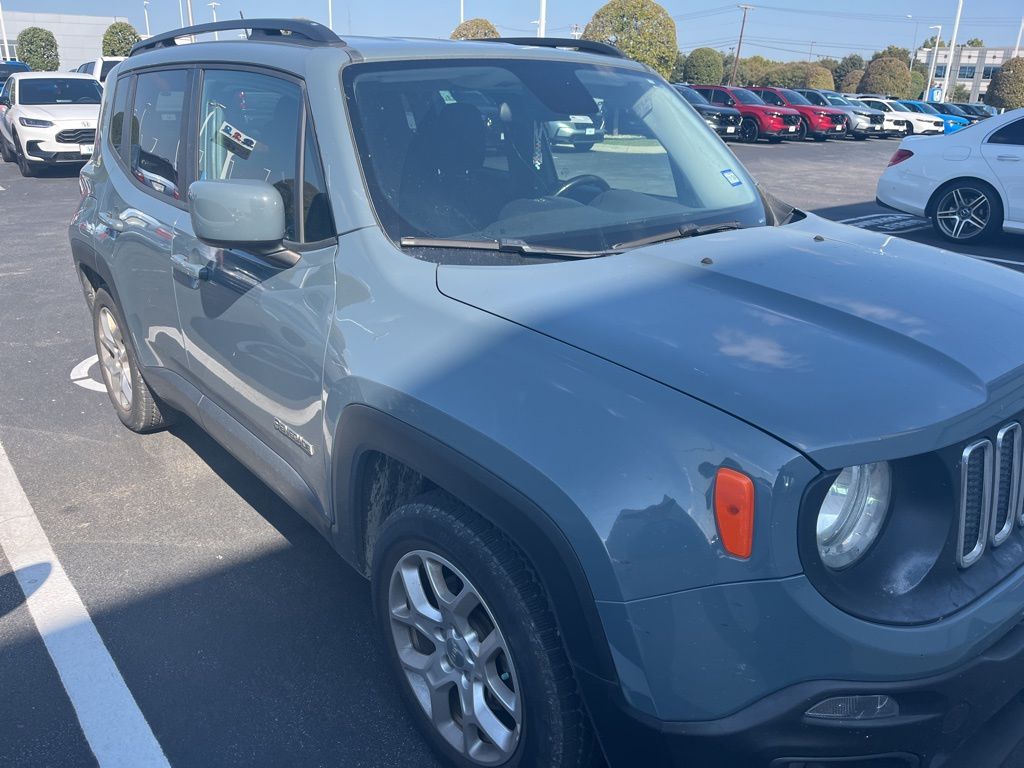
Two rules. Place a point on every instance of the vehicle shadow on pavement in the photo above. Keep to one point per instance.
(267, 661)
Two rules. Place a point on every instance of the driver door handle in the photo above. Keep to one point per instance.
(194, 272)
(1008, 158)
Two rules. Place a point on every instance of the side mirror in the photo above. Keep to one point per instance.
(239, 213)
(730, 102)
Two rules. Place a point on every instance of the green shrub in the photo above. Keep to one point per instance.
(37, 47)
(641, 29)
(119, 39)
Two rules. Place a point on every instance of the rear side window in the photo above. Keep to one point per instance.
(249, 129)
(318, 224)
(770, 97)
(1009, 134)
(719, 97)
(156, 139)
(117, 109)
(107, 66)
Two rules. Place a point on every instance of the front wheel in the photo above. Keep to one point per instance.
(5, 151)
(967, 211)
(803, 131)
(750, 132)
(26, 167)
(473, 643)
(860, 137)
(135, 404)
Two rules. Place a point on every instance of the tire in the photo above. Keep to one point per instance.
(133, 400)
(584, 147)
(5, 151)
(495, 593)
(860, 137)
(803, 132)
(909, 130)
(749, 131)
(774, 139)
(951, 201)
(27, 168)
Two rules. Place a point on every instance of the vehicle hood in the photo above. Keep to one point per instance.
(715, 109)
(846, 344)
(63, 112)
(767, 108)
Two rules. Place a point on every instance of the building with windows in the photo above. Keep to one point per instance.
(972, 67)
(79, 37)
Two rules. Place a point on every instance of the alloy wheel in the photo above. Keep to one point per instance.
(748, 131)
(114, 360)
(455, 658)
(963, 213)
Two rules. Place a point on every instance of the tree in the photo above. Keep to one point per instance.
(828, 63)
(960, 93)
(641, 29)
(37, 47)
(679, 68)
(917, 83)
(119, 39)
(885, 76)
(975, 42)
(704, 66)
(930, 42)
(851, 82)
(1006, 91)
(754, 70)
(819, 77)
(851, 63)
(474, 29)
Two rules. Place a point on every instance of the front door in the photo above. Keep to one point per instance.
(255, 331)
(1004, 153)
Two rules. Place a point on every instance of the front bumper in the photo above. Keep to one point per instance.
(865, 128)
(939, 716)
(41, 145)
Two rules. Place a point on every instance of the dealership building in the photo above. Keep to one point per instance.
(972, 67)
(79, 37)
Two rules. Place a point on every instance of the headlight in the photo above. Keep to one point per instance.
(28, 122)
(852, 514)
(774, 114)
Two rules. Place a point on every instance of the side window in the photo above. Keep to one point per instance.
(115, 134)
(816, 98)
(156, 139)
(1009, 134)
(249, 129)
(318, 224)
(6, 92)
(719, 97)
(770, 97)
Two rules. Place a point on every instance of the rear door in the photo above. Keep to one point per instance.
(255, 331)
(1004, 152)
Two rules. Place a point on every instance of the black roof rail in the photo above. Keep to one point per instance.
(586, 46)
(274, 29)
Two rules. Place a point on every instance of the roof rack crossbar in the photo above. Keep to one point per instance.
(295, 29)
(587, 46)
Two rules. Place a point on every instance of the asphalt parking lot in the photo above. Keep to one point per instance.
(238, 633)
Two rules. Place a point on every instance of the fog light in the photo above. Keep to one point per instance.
(855, 708)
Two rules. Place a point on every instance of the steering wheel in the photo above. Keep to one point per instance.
(581, 180)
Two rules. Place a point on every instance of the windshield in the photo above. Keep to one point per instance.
(926, 108)
(795, 98)
(6, 70)
(744, 96)
(438, 167)
(836, 100)
(55, 90)
(691, 95)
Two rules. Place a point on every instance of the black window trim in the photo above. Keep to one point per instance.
(994, 131)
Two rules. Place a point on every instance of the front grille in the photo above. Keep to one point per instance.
(837, 119)
(1006, 496)
(975, 501)
(877, 119)
(731, 119)
(78, 136)
(791, 119)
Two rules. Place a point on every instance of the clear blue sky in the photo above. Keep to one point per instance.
(782, 29)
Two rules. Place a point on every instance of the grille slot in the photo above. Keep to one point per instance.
(1006, 496)
(975, 501)
(790, 119)
(877, 119)
(79, 136)
(837, 119)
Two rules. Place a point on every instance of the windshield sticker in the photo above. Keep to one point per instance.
(446, 97)
(729, 175)
(236, 141)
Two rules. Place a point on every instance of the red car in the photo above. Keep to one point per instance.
(816, 122)
(760, 120)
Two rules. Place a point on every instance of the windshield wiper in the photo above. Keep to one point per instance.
(687, 230)
(504, 246)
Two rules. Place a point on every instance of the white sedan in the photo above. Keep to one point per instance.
(48, 119)
(969, 183)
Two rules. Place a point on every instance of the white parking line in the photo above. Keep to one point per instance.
(116, 730)
(80, 375)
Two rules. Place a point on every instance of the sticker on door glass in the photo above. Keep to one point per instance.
(236, 141)
(730, 175)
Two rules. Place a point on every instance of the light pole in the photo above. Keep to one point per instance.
(935, 57)
(181, 15)
(188, 7)
(145, 11)
(213, 9)
(3, 34)
(542, 24)
(739, 44)
(952, 50)
(330, 14)
(462, 11)
(1020, 34)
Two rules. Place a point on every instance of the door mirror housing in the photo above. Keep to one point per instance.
(238, 213)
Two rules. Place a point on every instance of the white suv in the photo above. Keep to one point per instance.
(48, 119)
(100, 68)
(916, 121)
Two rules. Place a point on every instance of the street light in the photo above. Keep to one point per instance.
(3, 34)
(935, 57)
(213, 9)
(145, 11)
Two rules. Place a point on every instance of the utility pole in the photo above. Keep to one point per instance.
(810, 53)
(935, 58)
(1020, 34)
(542, 24)
(913, 50)
(739, 45)
(954, 60)
(576, 31)
(145, 11)
(3, 34)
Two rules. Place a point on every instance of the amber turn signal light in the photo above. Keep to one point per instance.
(734, 511)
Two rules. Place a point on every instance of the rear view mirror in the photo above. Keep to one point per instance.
(237, 213)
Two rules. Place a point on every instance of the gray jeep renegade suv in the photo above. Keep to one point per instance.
(639, 460)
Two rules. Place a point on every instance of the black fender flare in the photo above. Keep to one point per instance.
(363, 430)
